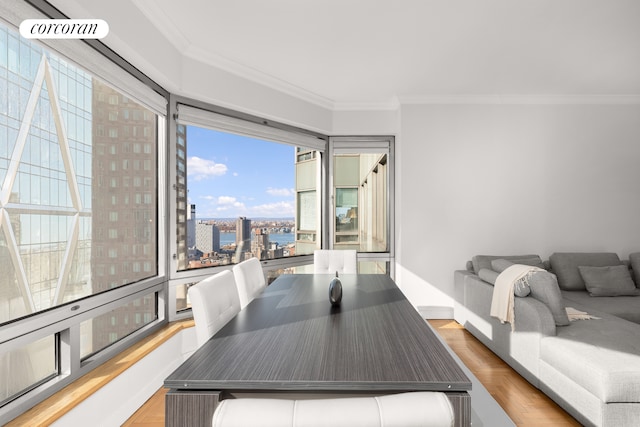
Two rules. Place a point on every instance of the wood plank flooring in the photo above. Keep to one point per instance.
(525, 405)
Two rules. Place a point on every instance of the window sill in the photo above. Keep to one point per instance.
(54, 407)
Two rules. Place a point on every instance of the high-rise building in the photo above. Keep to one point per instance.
(191, 226)
(243, 234)
(124, 192)
(207, 237)
(260, 244)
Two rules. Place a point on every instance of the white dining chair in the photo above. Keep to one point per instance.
(424, 409)
(250, 280)
(328, 261)
(214, 301)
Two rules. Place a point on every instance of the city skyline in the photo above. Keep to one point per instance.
(229, 176)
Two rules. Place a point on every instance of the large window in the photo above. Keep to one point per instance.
(75, 222)
(242, 195)
(78, 214)
(241, 198)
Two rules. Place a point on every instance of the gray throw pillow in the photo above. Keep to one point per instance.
(521, 287)
(634, 260)
(544, 287)
(609, 281)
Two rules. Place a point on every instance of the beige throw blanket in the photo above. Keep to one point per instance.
(575, 314)
(502, 300)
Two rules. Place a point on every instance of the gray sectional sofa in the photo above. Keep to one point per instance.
(591, 368)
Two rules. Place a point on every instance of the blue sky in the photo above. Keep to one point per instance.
(230, 176)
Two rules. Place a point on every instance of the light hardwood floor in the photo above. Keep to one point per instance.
(525, 405)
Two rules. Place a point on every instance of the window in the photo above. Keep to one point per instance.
(37, 171)
(108, 328)
(62, 210)
(23, 368)
(361, 195)
(239, 186)
(245, 199)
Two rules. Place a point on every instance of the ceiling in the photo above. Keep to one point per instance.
(374, 52)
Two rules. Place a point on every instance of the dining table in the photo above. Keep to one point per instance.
(292, 342)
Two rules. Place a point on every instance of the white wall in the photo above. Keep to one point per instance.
(509, 179)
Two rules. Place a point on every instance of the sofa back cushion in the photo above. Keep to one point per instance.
(565, 266)
(484, 261)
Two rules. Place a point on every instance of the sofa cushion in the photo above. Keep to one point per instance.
(501, 264)
(634, 261)
(484, 261)
(600, 355)
(627, 308)
(488, 275)
(565, 266)
(608, 281)
(544, 288)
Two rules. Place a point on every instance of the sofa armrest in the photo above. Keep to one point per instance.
(475, 294)
(533, 316)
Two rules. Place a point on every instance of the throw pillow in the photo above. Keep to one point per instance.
(544, 287)
(634, 260)
(520, 287)
(609, 281)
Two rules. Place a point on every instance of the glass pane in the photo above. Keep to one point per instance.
(73, 225)
(104, 330)
(373, 267)
(360, 198)
(300, 269)
(182, 296)
(241, 197)
(26, 367)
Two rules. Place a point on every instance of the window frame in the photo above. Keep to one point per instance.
(63, 321)
(363, 145)
(244, 124)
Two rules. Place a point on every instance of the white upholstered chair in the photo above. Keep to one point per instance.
(214, 301)
(327, 261)
(250, 280)
(424, 409)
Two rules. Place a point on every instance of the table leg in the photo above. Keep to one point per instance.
(190, 408)
(461, 402)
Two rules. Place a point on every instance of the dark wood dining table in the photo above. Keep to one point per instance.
(291, 341)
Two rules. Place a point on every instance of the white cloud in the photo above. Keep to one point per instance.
(280, 192)
(207, 197)
(279, 209)
(228, 202)
(199, 169)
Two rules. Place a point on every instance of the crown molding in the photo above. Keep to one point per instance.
(256, 76)
(390, 105)
(166, 25)
(522, 99)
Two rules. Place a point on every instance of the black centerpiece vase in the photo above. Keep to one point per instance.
(335, 291)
